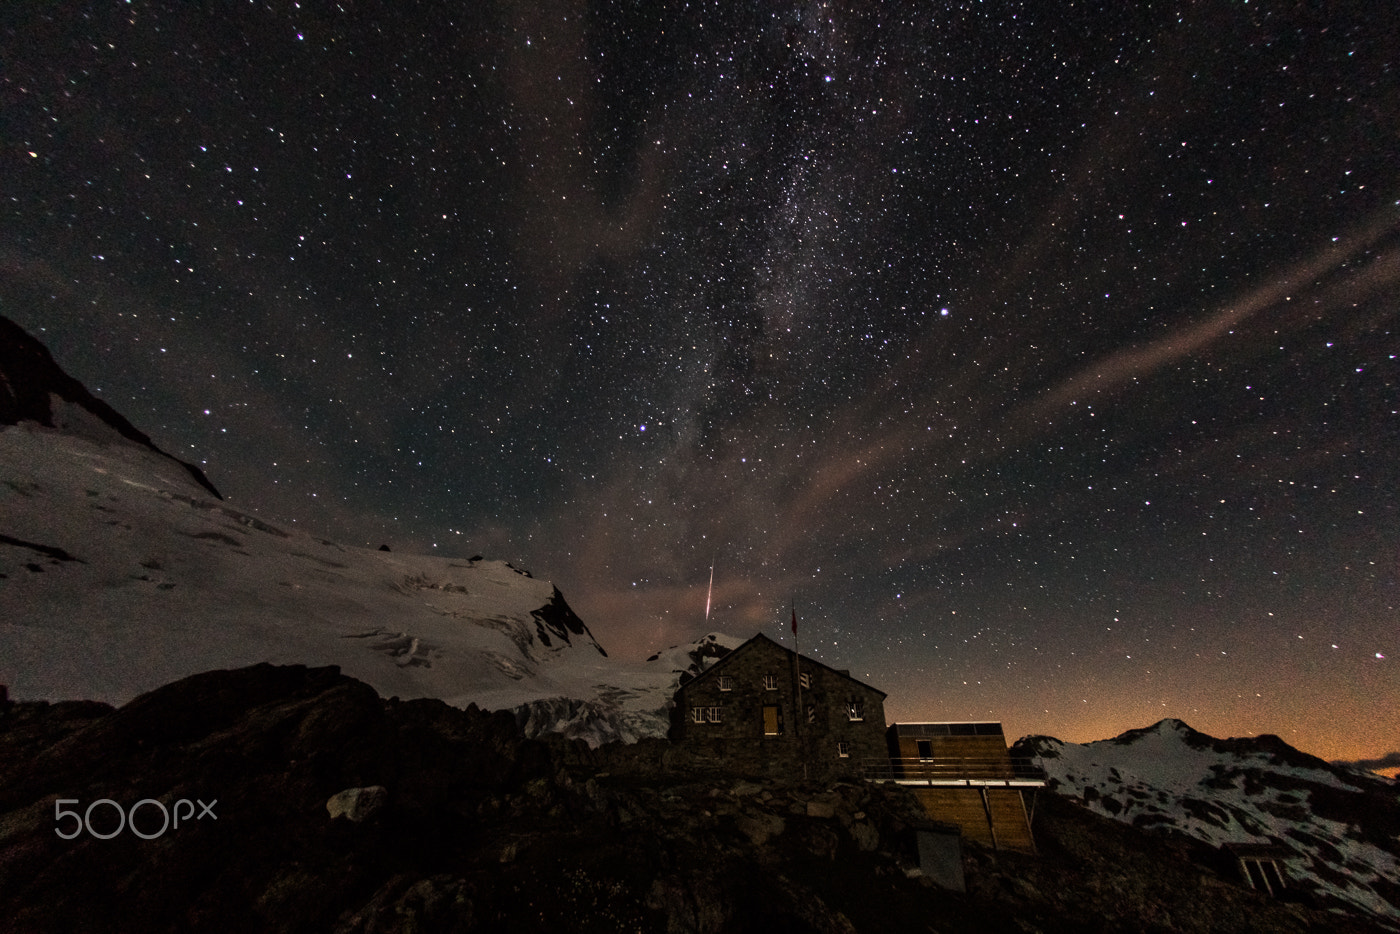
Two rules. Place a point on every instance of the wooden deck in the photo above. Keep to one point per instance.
(965, 771)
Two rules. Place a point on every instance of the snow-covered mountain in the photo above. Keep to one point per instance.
(1343, 825)
(622, 701)
(121, 570)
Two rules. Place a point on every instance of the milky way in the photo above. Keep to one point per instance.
(1044, 359)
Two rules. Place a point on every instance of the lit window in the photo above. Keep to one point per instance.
(770, 682)
(843, 749)
(697, 714)
(726, 683)
(806, 680)
(811, 713)
(712, 714)
(855, 710)
(772, 720)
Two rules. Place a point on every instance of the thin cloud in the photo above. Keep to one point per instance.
(1390, 760)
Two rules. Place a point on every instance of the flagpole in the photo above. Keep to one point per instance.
(801, 712)
(796, 643)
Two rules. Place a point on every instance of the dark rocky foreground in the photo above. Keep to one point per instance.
(478, 829)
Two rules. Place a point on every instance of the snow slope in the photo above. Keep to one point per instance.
(1341, 823)
(119, 573)
(605, 700)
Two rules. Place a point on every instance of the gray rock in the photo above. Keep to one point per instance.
(357, 803)
(865, 836)
(760, 827)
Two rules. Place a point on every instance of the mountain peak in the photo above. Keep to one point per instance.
(1167, 728)
(31, 380)
(557, 617)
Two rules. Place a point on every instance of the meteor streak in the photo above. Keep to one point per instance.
(709, 593)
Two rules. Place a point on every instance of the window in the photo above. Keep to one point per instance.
(706, 714)
(726, 683)
(925, 748)
(855, 710)
(843, 749)
(697, 714)
(811, 713)
(770, 682)
(1263, 874)
(772, 720)
(806, 680)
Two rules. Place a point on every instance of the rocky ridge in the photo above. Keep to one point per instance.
(335, 809)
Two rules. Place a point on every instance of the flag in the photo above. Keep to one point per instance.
(794, 621)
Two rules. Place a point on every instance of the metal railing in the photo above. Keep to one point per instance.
(955, 770)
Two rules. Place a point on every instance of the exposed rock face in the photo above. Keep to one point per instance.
(30, 379)
(479, 829)
(700, 656)
(557, 617)
(357, 804)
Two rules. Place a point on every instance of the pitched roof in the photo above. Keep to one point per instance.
(947, 728)
(1260, 851)
(760, 636)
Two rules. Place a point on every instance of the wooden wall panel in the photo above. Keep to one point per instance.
(963, 806)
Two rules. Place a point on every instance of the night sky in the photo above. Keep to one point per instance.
(1044, 355)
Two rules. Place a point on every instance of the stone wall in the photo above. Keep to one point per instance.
(721, 723)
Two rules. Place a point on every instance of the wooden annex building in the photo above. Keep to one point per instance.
(964, 774)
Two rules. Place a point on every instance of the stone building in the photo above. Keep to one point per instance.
(763, 710)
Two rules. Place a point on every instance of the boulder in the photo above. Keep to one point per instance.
(357, 804)
(866, 837)
(759, 828)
